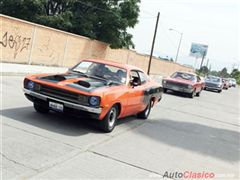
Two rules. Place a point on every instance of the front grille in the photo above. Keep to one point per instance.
(207, 84)
(63, 94)
(181, 85)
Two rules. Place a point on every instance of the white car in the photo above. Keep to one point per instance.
(234, 82)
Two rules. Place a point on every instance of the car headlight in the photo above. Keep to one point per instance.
(219, 85)
(164, 81)
(30, 85)
(94, 101)
(189, 86)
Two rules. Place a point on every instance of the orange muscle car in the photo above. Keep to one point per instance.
(96, 89)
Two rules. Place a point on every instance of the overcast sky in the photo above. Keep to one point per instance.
(211, 22)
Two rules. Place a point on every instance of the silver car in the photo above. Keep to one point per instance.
(213, 83)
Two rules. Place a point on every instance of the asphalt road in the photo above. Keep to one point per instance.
(182, 134)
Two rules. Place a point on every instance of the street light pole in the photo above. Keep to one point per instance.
(179, 44)
(153, 42)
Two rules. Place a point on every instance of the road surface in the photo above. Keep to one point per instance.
(182, 135)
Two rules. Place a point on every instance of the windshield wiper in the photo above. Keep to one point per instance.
(108, 82)
(79, 72)
(98, 77)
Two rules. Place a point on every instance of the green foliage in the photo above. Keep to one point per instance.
(223, 73)
(236, 75)
(104, 20)
(203, 71)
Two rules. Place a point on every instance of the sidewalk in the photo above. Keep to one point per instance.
(23, 69)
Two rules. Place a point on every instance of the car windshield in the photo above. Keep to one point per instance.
(213, 79)
(101, 71)
(184, 76)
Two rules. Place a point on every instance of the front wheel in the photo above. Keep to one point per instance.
(40, 108)
(198, 94)
(164, 90)
(219, 91)
(191, 95)
(109, 121)
(144, 114)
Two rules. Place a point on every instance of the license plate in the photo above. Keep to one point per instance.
(175, 88)
(56, 106)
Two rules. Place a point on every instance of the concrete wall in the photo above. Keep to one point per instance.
(28, 43)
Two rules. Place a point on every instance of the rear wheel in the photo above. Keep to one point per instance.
(39, 108)
(109, 121)
(144, 114)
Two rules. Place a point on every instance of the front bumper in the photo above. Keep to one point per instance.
(213, 88)
(178, 88)
(67, 104)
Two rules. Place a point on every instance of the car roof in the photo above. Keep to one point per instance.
(111, 63)
(186, 72)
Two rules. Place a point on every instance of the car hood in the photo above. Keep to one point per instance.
(179, 80)
(75, 81)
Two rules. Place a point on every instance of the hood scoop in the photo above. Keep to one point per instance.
(59, 77)
(84, 84)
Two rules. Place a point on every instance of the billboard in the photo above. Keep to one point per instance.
(198, 50)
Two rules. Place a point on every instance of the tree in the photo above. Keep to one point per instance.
(224, 73)
(203, 70)
(236, 75)
(104, 20)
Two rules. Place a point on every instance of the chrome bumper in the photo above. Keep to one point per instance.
(67, 104)
(213, 88)
(178, 89)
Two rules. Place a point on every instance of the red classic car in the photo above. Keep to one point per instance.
(225, 82)
(184, 82)
(97, 89)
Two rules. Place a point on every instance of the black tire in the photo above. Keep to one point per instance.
(144, 114)
(219, 91)
(191, 95)
(164, 90)
(40, 108)
(109, 121)
(198, 94)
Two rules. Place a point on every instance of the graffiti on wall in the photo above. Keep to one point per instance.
(46, 49)
(16, 42)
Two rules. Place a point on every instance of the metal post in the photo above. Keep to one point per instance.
(178, 47)
(202, 59)
(153, 42)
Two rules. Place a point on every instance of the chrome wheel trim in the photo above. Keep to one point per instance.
(112, 117)
(148, 109)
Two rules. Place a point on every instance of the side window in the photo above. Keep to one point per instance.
(143, 77)
(135, 77)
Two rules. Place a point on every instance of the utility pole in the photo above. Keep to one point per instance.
(207, 62)
(202, 59)
(153, 42)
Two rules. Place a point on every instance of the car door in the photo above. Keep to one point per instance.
(135, 94)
